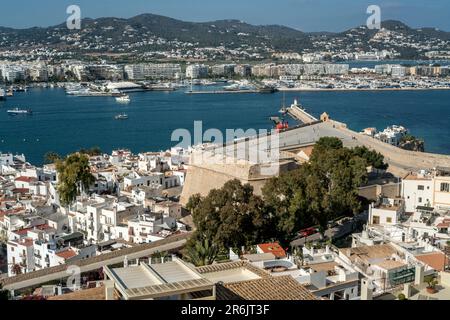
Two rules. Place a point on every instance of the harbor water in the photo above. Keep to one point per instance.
(64, 124)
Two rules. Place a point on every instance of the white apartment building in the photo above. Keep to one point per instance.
(427, 189)
(392, 135)
(196, 71)
(136, 179)
(6, 159)
(387, 212)
(152, 71)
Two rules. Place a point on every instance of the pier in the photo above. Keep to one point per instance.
(222, 91)
(301, 115)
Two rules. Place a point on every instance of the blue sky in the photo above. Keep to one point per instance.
(306, 15)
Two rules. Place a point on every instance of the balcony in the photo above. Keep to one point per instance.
(38, 255)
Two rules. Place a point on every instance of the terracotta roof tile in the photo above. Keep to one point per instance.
(232, 265)
(25, 179)
(273, 248)
(435, 260)
(271, 288)
(67, 254)
(93, 294)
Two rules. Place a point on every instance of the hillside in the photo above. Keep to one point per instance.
(153, 33)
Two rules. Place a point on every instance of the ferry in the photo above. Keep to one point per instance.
(17, 111)
(123, 98)
(122, 116)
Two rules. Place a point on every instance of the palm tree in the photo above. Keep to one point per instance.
(202, 253)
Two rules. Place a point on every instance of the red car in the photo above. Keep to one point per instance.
(307, 232)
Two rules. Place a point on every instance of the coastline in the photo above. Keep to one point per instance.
(356, 90)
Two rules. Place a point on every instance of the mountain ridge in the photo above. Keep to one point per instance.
(153, 32)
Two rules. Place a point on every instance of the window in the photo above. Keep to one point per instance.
(445, 187)
(388, 220)
(420, 187)
(376, 220)
(420, 200)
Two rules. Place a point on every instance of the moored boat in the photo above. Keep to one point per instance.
(17, 111)
(122, 116)
(123, 98)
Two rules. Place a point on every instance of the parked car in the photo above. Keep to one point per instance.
(307, 232)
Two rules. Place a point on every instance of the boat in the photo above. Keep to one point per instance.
(283, 109)
(267, 89)
(123, 98)
(2, 94)
(122, 116)
(297, 105)
(10, 93)
(17, 111)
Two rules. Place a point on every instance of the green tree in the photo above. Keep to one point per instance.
(373, 158)
(74, 177)
(94, 151)
(4, 294)
(325, 188)
(232, 217)
(51, 157)
(193, 203)
(329, 143)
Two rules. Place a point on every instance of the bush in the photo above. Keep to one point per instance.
(401, 296)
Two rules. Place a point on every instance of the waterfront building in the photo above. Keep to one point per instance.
(196, 71)
(223, 70)
(104, 72)
(152, 71)
(399, 71)
(392, 135)
(244, 70)
(38, 72)
(270, 70)
(13, 73)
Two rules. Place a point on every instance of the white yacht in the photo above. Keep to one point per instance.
(122, 116)
(123, 98)
(17, 111)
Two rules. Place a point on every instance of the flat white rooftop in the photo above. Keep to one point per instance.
(157, 280)
(231, 275)
(136, 277)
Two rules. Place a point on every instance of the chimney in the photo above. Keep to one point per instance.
(109, 289)
(407, 290)
(366, 289)
(319, 279)
(419, 277)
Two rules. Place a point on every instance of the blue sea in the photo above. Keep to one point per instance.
(64, 124)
